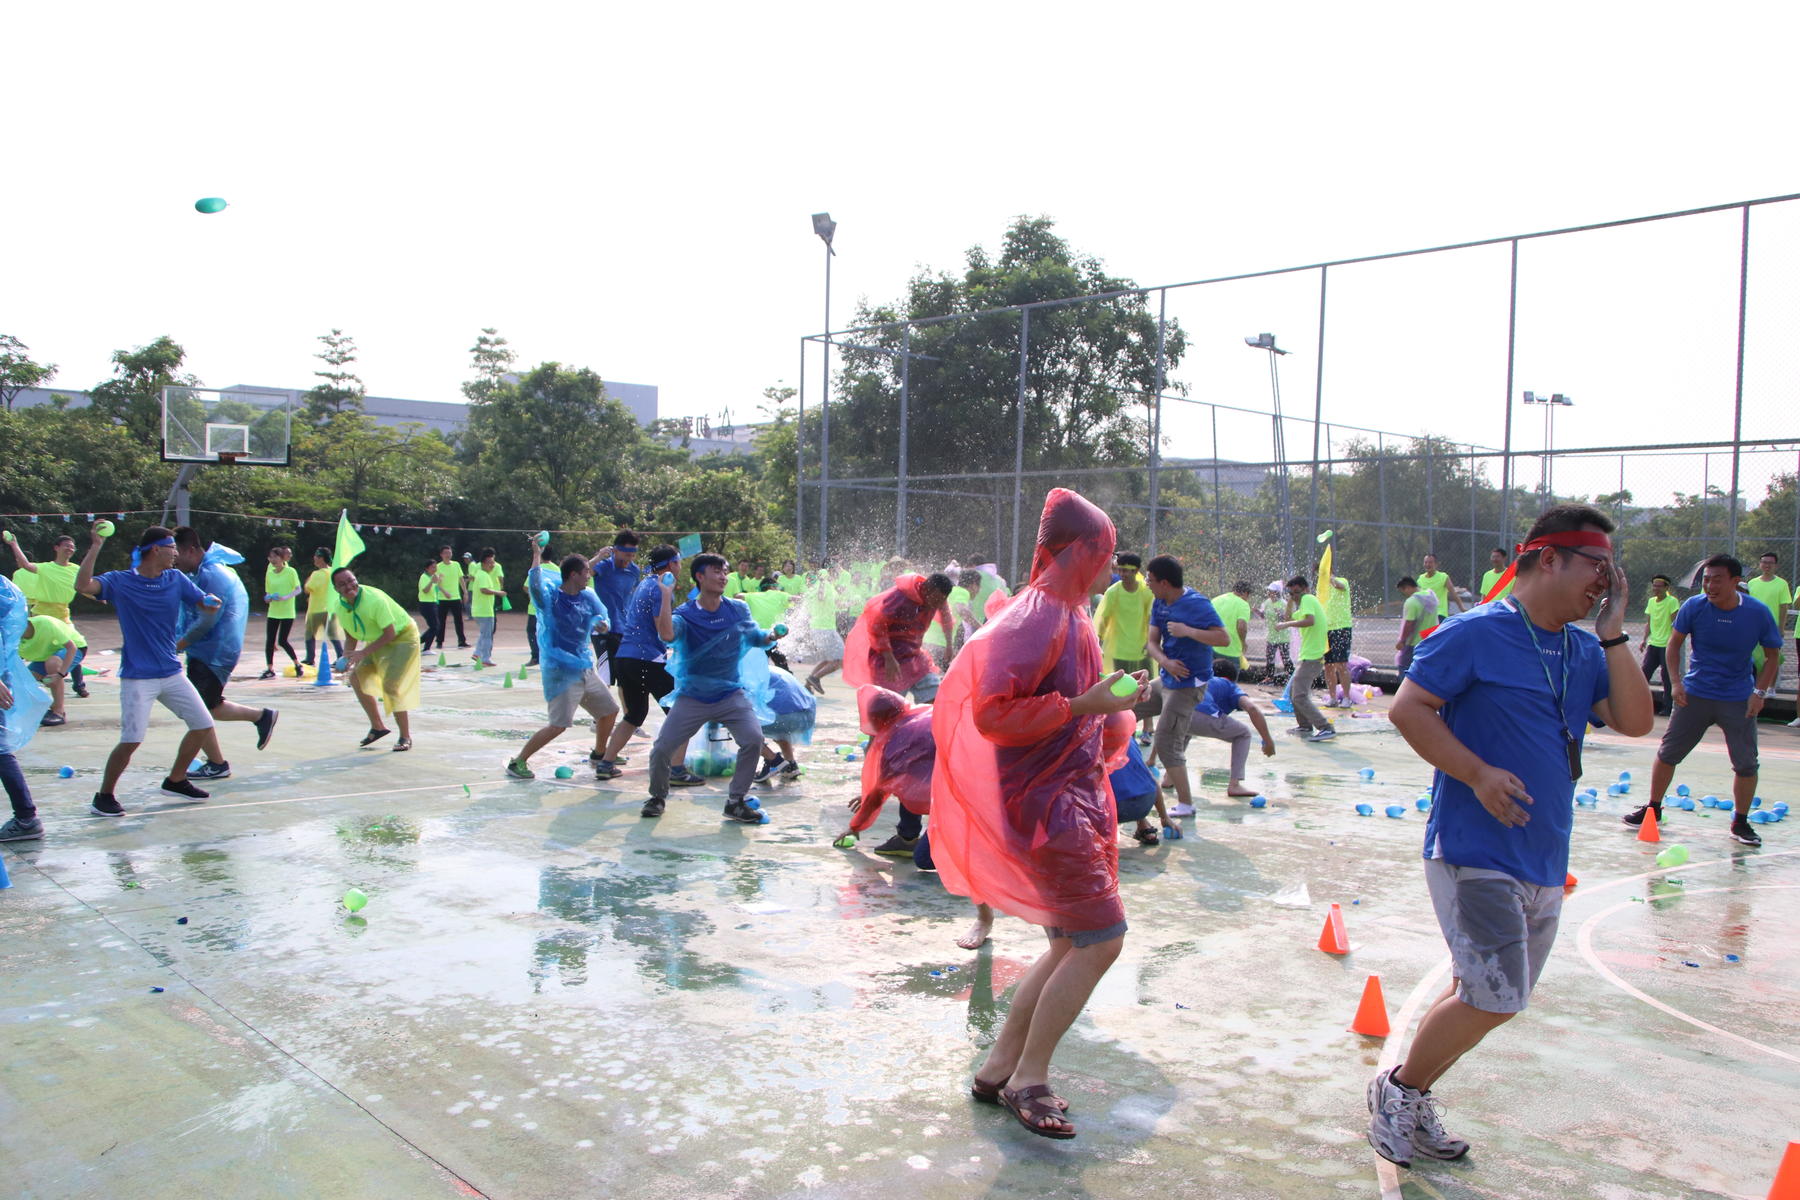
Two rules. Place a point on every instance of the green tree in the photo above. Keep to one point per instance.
(492, 360)
(342, 389)
(133, 397)
(18, 371)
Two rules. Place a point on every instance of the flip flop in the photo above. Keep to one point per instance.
(375, 735)
(1028, 1108)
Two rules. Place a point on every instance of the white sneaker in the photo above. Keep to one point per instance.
(1794, 724)
(1393, 1118)
(1429, 1137)
(1182, 810)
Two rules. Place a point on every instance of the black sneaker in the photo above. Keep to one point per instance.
(1635, 817)
(265, 727)
(105, 806)
(743, 811)
(182, 788)
(685, 778)
(653, 807)
(606, 770)
(770, 765)
(1741, 832)
(16, 830)
(268, 674)
(213, 770)
(897, 847)
(81, 690)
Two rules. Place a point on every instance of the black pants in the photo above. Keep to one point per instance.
(531, 637)
(454, 608)
(434, 625)
(276, 634)
(641, 679)
(1656, 658)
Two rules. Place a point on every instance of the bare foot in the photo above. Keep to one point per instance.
(977, 935)
(1237, 790)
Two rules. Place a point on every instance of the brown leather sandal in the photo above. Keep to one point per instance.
(989, 1093)
(1029, 1108)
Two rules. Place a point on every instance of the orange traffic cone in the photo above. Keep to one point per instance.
(1371, 1014)
(1333, 940)
(1569, 879)
(1647, 831)
(1787, 1175)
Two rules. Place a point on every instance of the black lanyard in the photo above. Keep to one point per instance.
(1570, 745)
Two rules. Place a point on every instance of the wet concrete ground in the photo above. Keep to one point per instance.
(547, 995)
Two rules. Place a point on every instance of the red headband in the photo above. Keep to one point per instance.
(1567, 538)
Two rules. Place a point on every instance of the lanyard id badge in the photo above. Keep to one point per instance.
(1571, 746)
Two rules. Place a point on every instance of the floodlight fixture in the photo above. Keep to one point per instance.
(1264, 341)
(825, 227)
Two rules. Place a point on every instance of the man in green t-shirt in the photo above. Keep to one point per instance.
(1233, 608)
(49, 589)
(52, 649)
(1439, 584)
(1497, 559)
(450, 596)
(1660, 610)
(281, 583)
(1774, 593)
(1123, 618)
(1338, 622)
(487, 584)
(1308, 616)
(1417, 615)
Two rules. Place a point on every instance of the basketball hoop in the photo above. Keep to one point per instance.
(230, 457)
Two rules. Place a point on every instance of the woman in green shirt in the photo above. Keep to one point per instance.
(281, 583)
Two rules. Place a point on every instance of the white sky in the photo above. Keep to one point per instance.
(631, 191)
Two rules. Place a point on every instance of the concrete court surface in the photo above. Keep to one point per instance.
(548, 996)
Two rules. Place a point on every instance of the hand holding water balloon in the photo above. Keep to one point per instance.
(1103, 698)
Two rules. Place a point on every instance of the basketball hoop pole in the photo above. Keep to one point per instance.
(179, 495)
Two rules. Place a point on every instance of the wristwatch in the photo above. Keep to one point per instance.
(1763, 692)
(1609, 643)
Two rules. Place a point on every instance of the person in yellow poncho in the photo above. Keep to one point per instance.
(388, 666)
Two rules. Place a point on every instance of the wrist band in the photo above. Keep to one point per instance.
(1609, 643)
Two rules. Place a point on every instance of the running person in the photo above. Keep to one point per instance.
(320, 624)
(1184, 628)
(388, 666)
(569, 614)
(1720, 687)
(215, 642)
(709, 637)
(281, 583)
(1499, 701)
(49, 589)
(148, 599)
(642, 665)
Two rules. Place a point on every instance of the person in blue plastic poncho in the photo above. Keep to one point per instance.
(717, 656)
(787, 712)
(569, 615)
(214, 641)
(23, 703)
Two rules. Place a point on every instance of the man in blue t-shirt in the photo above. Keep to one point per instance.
(149, 599)
(569, 613)
(1184, 628)
(616, 576)
(708, 636)
(1720, 688)
(1498, 699)
(1219, 699)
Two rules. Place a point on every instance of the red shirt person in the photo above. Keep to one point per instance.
(887, 646)
(1023, 816)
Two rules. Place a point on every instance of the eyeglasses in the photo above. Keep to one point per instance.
(1602, 566)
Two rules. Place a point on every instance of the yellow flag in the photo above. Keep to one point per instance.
(349, 542)
(1324, 588)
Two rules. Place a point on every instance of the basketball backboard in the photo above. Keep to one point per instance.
(252, 426)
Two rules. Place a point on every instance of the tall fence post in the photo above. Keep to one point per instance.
(1506, 456)
(1474, 535)
(1381, 487)
(1218, 516)
(1318, 406)
(800, 468)
(1019, 443)
(1737, 412)
(900, 483)
(1162, 313)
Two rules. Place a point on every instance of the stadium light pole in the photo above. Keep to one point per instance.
(825, 227)
(1547, 477)
(1266, 341)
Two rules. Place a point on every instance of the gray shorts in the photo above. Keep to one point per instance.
(1499, 930)
(1087, 937)
(587, 692)
(1689, 722)
(1173, 725)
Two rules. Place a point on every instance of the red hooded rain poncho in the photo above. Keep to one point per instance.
(894, 620)
(1022, 814)
(900, 758)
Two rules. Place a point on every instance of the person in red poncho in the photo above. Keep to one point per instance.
(887, 646)
(1023, 817)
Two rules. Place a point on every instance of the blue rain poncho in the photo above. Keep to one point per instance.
(717, 653)
(219, 646)
(30, 699)
(565, 628)
(785, 708)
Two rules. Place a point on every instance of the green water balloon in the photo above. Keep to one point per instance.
(355, 898)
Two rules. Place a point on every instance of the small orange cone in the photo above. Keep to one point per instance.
(1647, 831)
(1371, 1014)
(1569, 880)
(1787, 1175)
(1333, 940)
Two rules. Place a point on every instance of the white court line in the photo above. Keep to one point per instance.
(1387, 1175)
(1585, 940)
